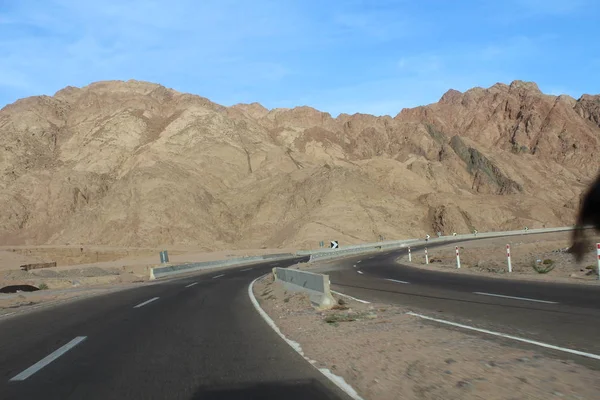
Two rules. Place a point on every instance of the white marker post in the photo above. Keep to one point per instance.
(426, 256)
(409, 255)
(508, 258)
(457, 259)
(598, 254)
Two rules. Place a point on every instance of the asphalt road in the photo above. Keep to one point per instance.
(565, 315)
(197, 337)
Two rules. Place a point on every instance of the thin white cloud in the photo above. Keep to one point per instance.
(420, 63)
(373, 25)
(78, 42)
(338, 56)
(551, 7)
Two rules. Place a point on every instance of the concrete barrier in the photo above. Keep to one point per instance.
(315, 285)
(160, 272)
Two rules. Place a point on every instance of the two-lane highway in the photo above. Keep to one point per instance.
(196, 337)
(564, 315)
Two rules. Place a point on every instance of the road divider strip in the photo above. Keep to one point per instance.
(515, 298)
(218, 276)
(48, 359)
(192, 284)
(520, 339)
(146, 302)
(335, 379)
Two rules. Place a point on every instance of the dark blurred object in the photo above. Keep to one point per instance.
(28, 267)
(589, 214)
(18, 288)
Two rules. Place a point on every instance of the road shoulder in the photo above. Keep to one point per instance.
(381, 351)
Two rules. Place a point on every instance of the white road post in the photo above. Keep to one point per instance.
(457, 259)
(426, 256)
(598, 254)
(409, 255)
(508, 258)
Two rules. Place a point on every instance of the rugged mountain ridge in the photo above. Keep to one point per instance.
(136, 164)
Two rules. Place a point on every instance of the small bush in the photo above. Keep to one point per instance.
(340, 307)
(548, 261)
(543, 268)
(43, 286)
(335, 318)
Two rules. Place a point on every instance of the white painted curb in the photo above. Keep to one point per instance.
(335, 379)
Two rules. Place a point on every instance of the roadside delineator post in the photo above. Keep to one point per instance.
(409, 255)
(457, 259)
(426, 256)
(508, 258)
(598, 254)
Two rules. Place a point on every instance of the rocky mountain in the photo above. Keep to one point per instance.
(137, 164)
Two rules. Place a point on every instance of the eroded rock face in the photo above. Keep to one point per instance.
(137, 164)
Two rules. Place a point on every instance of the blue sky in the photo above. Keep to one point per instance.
(349, 56)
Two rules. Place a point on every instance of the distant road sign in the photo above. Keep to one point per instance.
(334, 244)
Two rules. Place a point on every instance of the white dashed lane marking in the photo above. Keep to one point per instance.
(48, 359)
(515, 298)
(146, 302)
(397, 281)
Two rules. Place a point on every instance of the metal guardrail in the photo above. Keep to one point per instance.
(323, 254)
(160, 272)
(388, 245)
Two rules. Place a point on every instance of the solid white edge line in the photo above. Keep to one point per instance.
(48, 359)
(247, 269)
(336, 380)
(516, 298)
(350, 297)
(397, 281)
(146, 302)
(218, 276)
(529, 341)
(360, 272)
(192, 284)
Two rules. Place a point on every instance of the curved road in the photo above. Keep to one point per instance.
(565, 315)
(195, 337)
